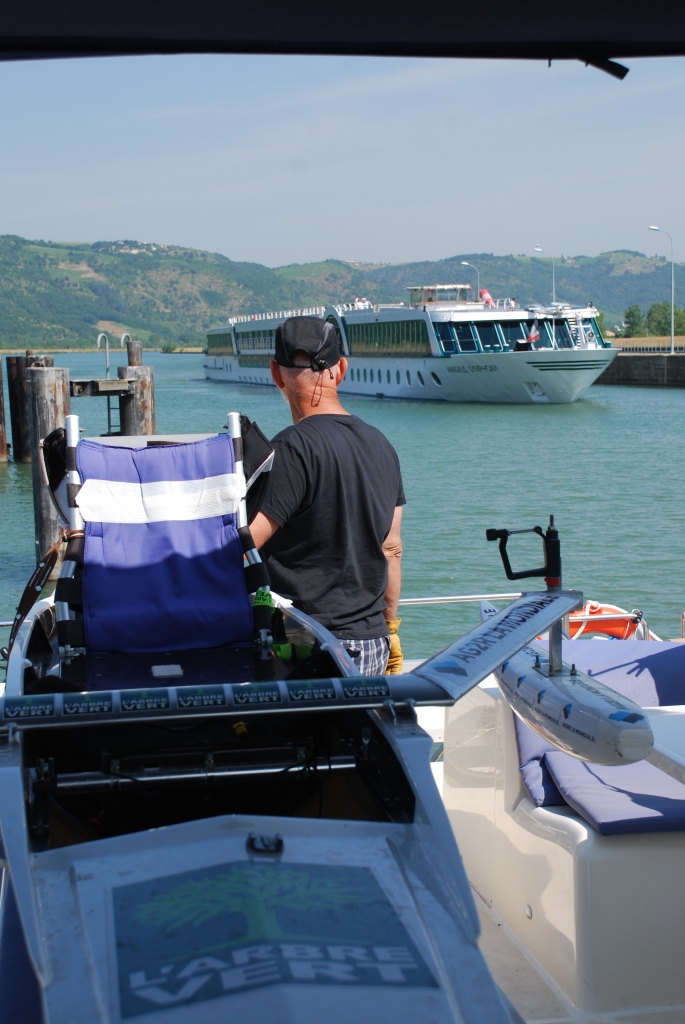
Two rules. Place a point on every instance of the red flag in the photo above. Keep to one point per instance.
(534, 334)
(485, 296)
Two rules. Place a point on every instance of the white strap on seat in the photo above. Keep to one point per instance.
(111, 501)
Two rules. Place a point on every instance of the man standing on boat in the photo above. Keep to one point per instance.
(329, 515)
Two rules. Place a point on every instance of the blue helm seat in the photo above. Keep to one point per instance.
(162, 559)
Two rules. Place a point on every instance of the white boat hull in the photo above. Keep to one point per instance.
(521, 378)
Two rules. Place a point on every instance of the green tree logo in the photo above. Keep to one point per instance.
(255, 890)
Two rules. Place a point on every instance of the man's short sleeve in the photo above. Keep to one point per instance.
(285, 486)
(401, 500)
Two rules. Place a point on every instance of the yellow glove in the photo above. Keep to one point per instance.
(396, 657)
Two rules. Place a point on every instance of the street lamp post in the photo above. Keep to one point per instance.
(653, 227)
(465, 264)
(538, 248)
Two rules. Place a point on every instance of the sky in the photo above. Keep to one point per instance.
(281, 160)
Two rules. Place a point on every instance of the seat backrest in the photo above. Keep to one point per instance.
(162, 560)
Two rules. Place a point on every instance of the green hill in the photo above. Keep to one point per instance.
(60, 294)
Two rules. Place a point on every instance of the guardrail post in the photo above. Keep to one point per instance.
(48, 393)
(134, 350)
(137, 409)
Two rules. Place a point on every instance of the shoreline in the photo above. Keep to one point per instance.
(186, 350)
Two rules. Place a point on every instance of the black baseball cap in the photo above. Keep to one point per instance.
(309, 334)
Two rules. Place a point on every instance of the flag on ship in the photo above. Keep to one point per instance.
(534, 334)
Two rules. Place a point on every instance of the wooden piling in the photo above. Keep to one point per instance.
(19, 408)
(134, 351)
(48, 394)
(19, 401)
(3, 432)
(137, 409)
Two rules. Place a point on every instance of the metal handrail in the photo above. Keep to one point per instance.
(7, 625)
(634, 617)
(459, 599)
(473, 598)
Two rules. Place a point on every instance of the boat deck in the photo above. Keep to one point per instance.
(534, 994)
(536, 997)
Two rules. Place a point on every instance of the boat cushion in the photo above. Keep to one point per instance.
(163, 566)
(651, 673)
(630, 798)
(539, 783)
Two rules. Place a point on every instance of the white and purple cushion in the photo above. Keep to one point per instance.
(163, 563)
(630, 798)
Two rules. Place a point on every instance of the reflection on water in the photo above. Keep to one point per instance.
(610, 468)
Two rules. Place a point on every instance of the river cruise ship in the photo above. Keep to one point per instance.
(440, 346)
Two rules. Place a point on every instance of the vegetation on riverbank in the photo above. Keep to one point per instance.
(655, 322)
(59, 295)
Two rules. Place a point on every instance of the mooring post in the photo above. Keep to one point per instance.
(19, 408)
(48, 392)
(3, 432)
(19, 401)
(134, 350)
(137, 409)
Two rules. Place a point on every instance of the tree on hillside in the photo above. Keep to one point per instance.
(257, 891)
(659, 319)
(634, 321)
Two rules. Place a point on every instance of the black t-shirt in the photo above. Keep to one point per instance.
(333, 490)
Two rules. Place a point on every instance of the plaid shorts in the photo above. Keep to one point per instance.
(370, 656)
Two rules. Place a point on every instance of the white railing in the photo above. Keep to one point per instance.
(280, 315)
(459, 599)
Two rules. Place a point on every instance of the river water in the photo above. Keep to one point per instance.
(610, 468)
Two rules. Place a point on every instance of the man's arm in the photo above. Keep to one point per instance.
(262, 528)
(392, 549)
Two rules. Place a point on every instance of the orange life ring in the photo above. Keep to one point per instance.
(623, 627)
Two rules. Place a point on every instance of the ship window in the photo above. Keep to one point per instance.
(398, 337)
(596, 331)
(513, 332)
(591, 333)
(421, 380)
(364, 375)
(562, 334)
(466, 336)
(256, 341)
(545, 339)
(398, 376)
(436, 378)
(489, 338)
(371, 376)
(220, 344)
(408, 377)
(444, 332)
(388, 376)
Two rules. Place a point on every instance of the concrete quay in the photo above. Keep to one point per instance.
(646, 369)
